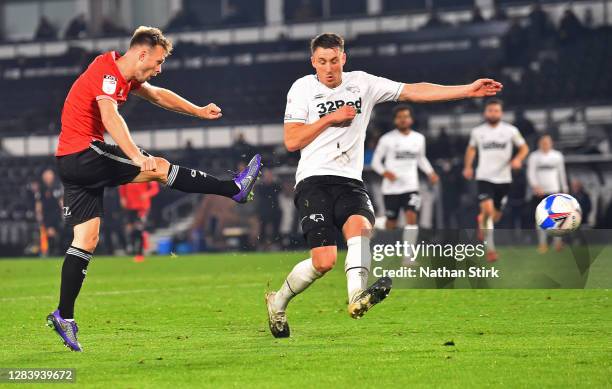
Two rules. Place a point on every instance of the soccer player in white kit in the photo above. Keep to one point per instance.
(326, 118)
(398, 156)
(546, 176)
(493, 140)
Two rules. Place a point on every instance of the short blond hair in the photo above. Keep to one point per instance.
(151, 36)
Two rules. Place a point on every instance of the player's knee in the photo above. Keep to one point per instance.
(87, 242)
(357, 225)
(324, 258)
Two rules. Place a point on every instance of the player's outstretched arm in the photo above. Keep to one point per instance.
(521, 154)
(118, 130)
(424, 92)
(171, 101)
(299, 135)
(468, 162)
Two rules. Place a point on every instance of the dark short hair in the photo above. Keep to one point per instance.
(327, 40)
(400, 108)
(151, 36)
(494, 101)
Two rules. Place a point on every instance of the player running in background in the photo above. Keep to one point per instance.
(493, 140)
(398, 156)
(326, 118)
(136, 198)
(86, 164)
(546, 175)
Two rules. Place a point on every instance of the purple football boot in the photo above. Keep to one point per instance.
(246, 180)
(67, 330)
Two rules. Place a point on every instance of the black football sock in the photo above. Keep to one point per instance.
(195, 181)
(138, 241)
(73, 274)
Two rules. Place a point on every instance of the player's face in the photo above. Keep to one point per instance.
(493, 113)
(545, 143)
(150, 62)
(329, 63)
(403, 120)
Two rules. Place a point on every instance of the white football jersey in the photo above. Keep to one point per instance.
(337, 151)
(403, 154)
(547, 170)
(494, 146)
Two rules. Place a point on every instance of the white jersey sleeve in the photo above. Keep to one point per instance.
(296, 110)
(382, 89)
(517, 138)
(473, 139)
(423, 162)
(379, 153)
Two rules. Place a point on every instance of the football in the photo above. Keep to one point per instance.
(558, 214)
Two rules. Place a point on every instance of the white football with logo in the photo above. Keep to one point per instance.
(558, 214)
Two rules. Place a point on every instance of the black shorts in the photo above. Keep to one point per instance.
(496, 192)
(85, 175)
(325, 203)
(410, 201)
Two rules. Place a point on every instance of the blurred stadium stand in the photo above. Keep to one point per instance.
(244, 55)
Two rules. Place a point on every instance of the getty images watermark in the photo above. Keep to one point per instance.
(410, 253)
(457, 258)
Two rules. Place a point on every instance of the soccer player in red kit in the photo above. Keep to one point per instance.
(136, 200)
(86, 164)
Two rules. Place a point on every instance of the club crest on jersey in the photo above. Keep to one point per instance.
(330, 106)
(109, 84)
(316, 217)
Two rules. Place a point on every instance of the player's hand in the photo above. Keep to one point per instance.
(389, 176)
(538, 191)
(484, 87)
(343, 116)
(146, 163)
(433, 178)
(516, 164)
(210, 112)
(468, 173)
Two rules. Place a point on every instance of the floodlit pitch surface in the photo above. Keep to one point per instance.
(201, 321)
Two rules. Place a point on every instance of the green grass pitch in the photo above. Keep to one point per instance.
(200, 321)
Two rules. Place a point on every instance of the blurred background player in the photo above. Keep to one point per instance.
(493, 141)
(397, 157)
(48, 207)
(326, 118)
(546, 175)
(87, 164)
(136, 198)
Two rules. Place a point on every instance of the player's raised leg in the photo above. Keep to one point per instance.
(74, 270)
(239, 188)
(357, 231)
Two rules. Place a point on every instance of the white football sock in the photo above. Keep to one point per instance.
(410, 235)
(357, 264)
(489, 229)
(300, 278)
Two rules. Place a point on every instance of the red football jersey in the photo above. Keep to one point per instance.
(137, 196)
(81, 119)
